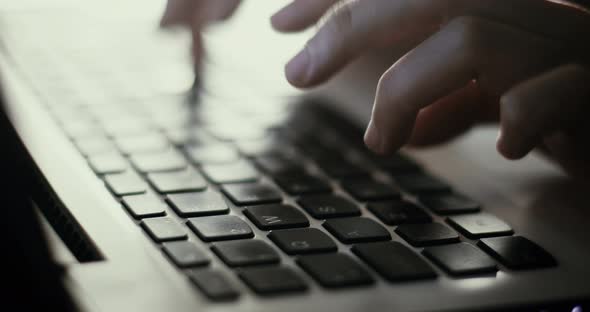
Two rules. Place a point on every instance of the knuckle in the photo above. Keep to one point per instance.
(467, 32)
(341, 19)
(576, 70)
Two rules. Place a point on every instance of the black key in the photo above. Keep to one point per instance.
(329, 206)
(157, 162)
(335, 270)
(399, 212)
(303, 241)
(198, 204)
(302, 184)
(212, 154)
(218, 228)
(177, 181)
(427, 234)
(461, 259)
(394, 261)
(213, 284)
(421, 183)
(368, 190)
(127, 183)
(356, 230)
(342, 168)
(446, 204)
(276, 216)
(395, 164)
(107, 163)
(246, 252)
(480, 225)
(185, 254)
(272, 280)
(517, 252)
(278, 164)
(240, 171)
(251, 193)
(144, 206)
(163, 229)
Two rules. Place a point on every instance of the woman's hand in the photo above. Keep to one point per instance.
(520, 62)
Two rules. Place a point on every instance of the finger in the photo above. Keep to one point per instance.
(451, 116)
(178, 12)
(352, 28)
(360, 25)
(535, 108)
(300, 14)
(468, 48)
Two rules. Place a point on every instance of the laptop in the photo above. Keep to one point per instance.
(244, 194)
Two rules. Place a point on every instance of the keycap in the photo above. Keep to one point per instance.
(356, 230)
(342, 168)
(421, 183)
(236, 132)
(302, 184)
(240, 171)
(189, 136)
(251, 193)
(198, 204)
(93, 146)
(212, 154)
(254, 148)
(394, 261)
(128, 183)
(278, 164)
(245, 253)
(517, 252)
(480, 225)
(329, 206)
(369, 190)
(272, 280)
(399, 212)
(216, 228)
(303, 241)
(126, 126)
(177, 181)
(107, 163)
(185, 254)
(143, 143)
(276, 216)
(213, 284)
(144, 205)
(335, 270)
(447, 204)
(427, 234)
(461, 259)
(162, 161)
(395, 164)
(163, 229)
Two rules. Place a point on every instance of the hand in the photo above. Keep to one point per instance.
(522, 62)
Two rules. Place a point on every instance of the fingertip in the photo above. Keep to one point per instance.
(297, 69)
(510, 150)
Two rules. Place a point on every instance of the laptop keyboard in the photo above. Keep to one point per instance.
(399, 222)
(279, 202)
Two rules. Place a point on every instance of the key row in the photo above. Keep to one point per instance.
(392, 260)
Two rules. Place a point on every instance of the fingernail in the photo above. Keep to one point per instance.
(372, 139)
(297, 68)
